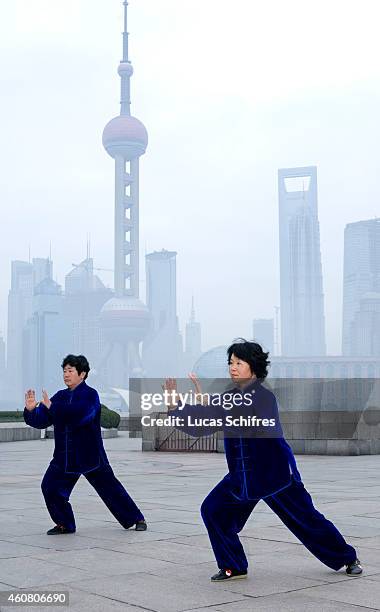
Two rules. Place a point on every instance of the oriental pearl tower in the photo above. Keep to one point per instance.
(125, 319)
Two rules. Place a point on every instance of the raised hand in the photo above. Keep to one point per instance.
(30, 400)
(195, 381)
(198, 388)
(170, 385)
(45, 398)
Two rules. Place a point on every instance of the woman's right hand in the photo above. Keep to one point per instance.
(198, 388)
(30, 400)
(195, 381)
(170, 385)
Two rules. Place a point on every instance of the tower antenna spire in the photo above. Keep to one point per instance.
(125, 33)
(125, 69)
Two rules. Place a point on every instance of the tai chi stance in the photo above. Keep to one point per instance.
(75, 414)
(259, 468)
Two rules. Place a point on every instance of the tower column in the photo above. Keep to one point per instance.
(119, 226)
(134, 285)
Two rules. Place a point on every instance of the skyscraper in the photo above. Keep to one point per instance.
(2, 358)
(85, 295)
(24, 276)
(365, 327)
(162, 348)
(193, 349)
(45, 338)
(301, 287)
(361, 287)
(125, 319)
(263, 333)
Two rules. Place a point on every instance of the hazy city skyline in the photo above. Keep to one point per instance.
(224, 112)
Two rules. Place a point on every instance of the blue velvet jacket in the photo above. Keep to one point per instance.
(76, 418)
(259, 464)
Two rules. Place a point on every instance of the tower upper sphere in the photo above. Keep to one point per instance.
(126, 136)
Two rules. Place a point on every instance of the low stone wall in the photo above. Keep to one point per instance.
(106, 433)
(335, 432)
(15, 432)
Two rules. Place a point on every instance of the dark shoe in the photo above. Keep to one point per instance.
(141, 526)
(228, 574)
(59, 530)
(354, 568)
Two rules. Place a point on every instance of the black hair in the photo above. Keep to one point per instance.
(253, 354)
(79, 362)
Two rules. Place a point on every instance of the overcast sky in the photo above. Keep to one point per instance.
(229, 93)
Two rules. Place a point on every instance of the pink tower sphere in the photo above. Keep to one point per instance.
(126, 136)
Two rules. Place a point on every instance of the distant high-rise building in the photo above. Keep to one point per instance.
(361, 276)
(125, 319)
(302, 301)
(162, 348)
(365, 327)
(42, 268)
(85, 295)
(193, 348)
(2, 358)
(45, 338)
(263, 333)
(20, 300)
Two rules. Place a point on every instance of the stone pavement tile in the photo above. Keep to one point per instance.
(256, 546)
(258, 520)
(64, 542)
(124, 545)
(123, 536)
(5, 587)
(176, 528)
(158, 593)
(278, 534)
(366, 520)
(368, 555)
(152, 515)
(357, 591)
(104, 562)
(21, 528)
(15, 549)
(198, 574)
(349, 528)
(296, 601)
(170, 551)
(183, 516)
(179, 502)
(16, 504)
(358, 506)
(373, 543)
(28, 572)
(374, 575)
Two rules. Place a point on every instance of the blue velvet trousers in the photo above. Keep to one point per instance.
(57, 486)
(225, 516)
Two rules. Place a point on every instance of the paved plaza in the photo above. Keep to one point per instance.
(168, 567)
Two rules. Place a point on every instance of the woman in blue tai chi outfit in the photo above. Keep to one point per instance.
(259, 467)
(78, 449)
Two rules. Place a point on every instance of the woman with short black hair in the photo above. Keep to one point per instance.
(261, 465)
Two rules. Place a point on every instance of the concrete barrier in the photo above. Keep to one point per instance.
(106, 433)
(14, 432)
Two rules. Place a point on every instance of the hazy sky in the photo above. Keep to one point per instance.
(229, 93)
